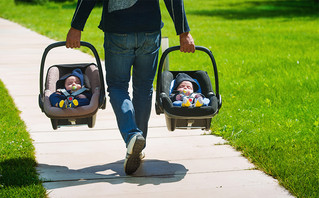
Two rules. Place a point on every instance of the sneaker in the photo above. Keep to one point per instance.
(142, 155)
(133, 155)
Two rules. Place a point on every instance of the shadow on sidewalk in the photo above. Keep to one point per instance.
(154, 172)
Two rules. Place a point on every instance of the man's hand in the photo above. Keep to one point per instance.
(186, 42)
(73, 38)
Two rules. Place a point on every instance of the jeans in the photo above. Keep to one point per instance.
(122, 53)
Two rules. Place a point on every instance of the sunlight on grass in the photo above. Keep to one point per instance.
(18, 177)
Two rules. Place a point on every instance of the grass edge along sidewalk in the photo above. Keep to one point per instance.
(18, 176)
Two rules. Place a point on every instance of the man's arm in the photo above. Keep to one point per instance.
(81, 14)
(178, 15)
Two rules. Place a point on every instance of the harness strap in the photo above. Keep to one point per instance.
(78, 92)
(65, 92)
(71, 96)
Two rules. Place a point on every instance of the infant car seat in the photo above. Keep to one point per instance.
(187, 117)
(93, 79)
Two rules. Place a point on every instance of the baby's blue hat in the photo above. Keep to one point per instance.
(76, 72)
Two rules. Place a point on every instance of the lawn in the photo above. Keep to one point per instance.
(267, 57)
(18, 177)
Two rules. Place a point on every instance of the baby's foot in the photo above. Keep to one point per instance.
(199, 102)
(186, 103)
(74, 103)
(63, 104)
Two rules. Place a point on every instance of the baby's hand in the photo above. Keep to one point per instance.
(179, 97)
(198, 96)
(81, 96)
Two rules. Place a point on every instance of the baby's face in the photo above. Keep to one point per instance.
(72, 83)
(185, 87)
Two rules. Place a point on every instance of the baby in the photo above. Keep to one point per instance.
(183, 92)
(73, 94)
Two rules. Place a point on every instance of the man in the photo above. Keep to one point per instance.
(132, 30)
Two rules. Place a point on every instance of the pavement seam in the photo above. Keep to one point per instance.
(146, 176)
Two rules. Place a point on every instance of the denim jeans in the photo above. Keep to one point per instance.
(122, 53)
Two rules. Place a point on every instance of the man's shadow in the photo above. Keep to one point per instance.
(150, 172)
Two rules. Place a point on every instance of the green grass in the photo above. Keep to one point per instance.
(267, 57)
(18, 177)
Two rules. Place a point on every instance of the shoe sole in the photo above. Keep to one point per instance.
(133, 159)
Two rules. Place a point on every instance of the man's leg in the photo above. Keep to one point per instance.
(120, 55)
(144, 70)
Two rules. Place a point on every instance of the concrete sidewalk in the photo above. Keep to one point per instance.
(83, 162)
